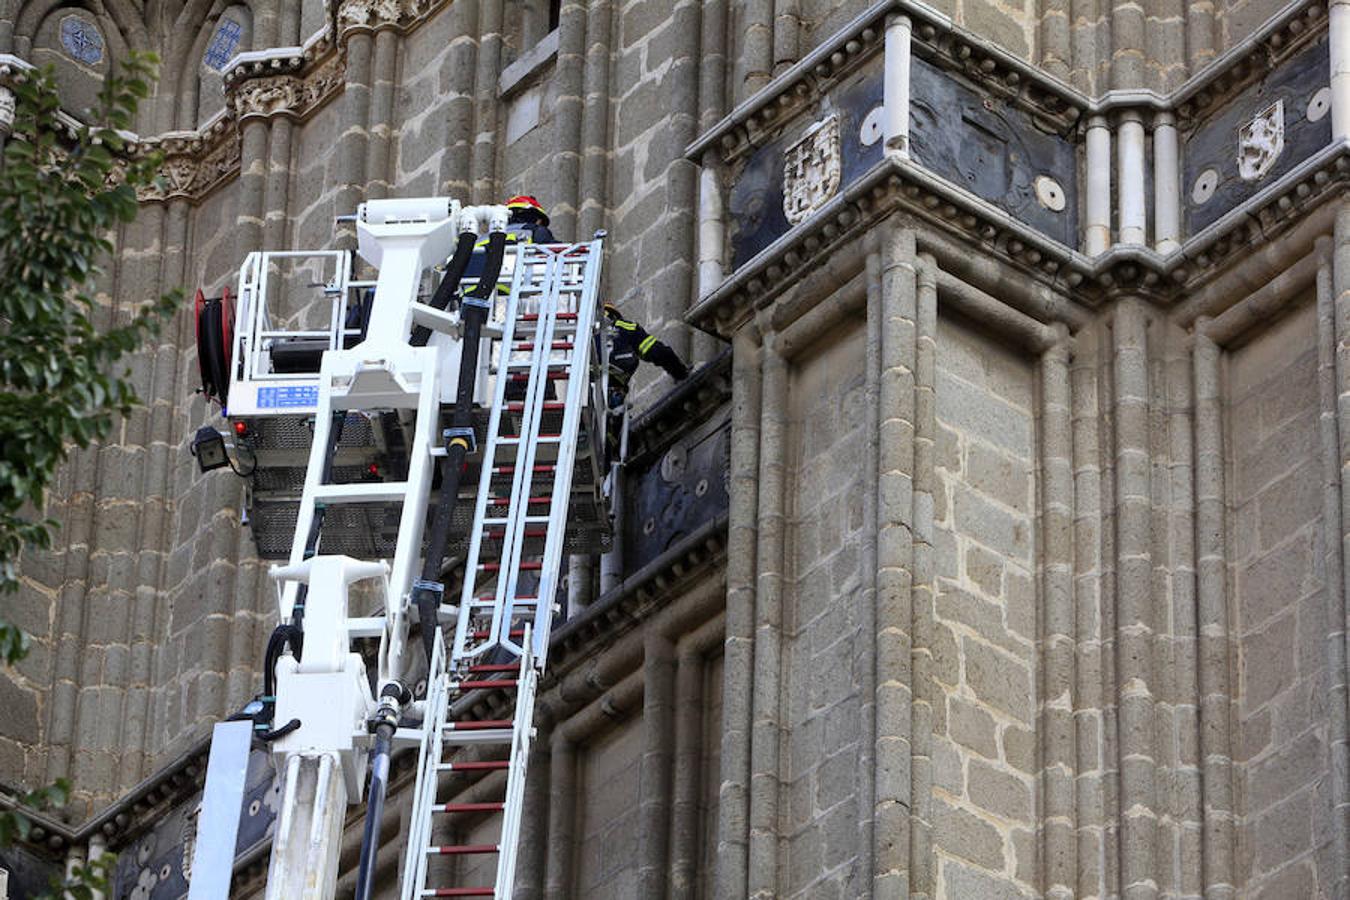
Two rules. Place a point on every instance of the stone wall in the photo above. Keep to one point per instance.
(1281, 613)
(984, 640)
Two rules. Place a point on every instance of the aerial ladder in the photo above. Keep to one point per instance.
(496, 379)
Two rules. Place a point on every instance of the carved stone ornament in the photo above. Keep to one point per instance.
(371, 13)
(811, 170)
(6, 110)
(268, 96)
(1260, 142)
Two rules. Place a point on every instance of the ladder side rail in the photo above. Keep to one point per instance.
(412, 518)
(249, 317)
(524, 477)
(463, 648)
(264, 319)
(428, 762)
(338, 322)
(304, 518)
(577, 385)
(522, 734)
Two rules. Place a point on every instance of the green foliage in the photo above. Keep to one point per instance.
(64, 189)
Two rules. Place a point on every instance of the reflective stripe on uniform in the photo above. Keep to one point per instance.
(626, 326)
(646, 344)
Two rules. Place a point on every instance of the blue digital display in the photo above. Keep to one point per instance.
(289, 397)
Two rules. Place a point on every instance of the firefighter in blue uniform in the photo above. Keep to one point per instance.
(630, 346)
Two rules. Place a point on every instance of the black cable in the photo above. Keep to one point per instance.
(383, 724)
(454, 273)
(428, 590)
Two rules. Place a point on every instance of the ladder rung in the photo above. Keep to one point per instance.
(483, 633)
(524, 567)
(552, 376)
(498, 520)
(463, 849)
(534, 317)
(549, 406)
(508, 470)
(362, 492)
(480, 724)
(484, 685)
(491, 765)
(460, 892)
(469, 807)
(487, 736)
(556, 345)
(496, 534)
(506, 501)
(494, 600)
(496, 667)
(511, 440)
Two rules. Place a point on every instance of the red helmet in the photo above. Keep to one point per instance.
(525, 201)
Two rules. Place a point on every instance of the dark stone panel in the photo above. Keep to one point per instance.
(755, 203)
(152, 867)
(980, 144)
(29, 874)
(679, 492)
(993, 150)
(1213, 144)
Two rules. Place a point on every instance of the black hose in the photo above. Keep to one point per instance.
(428, 590)
(382, 724)
(370, 837)
(454, 273)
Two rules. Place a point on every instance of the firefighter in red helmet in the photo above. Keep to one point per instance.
(528, 221)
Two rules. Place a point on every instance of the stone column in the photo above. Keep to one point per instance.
(354, 141)
(1166, 184)
(569, 76)
(252, 187)
(459, 100)
(1338, 648)
(738, 650)
(895, 560)
(787, 27)
(1215, 647)
(1055, 38)
(1089, 587)
(755, 62)
(1339, 252)
(1058, 625)
(490, 16)
(1097, 213)
(1134, 602)
(561, 817)
(895, 86)
(924, 592)
(689, 711)
(1338, 28)
(380, 125)
(658, 745)
(766, 693)
(1130, 194)
(277, 185)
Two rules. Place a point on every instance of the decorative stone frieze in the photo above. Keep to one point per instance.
(6, 111)
(811, 169)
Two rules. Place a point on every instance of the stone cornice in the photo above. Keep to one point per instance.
(1052, 102)
(899, 185)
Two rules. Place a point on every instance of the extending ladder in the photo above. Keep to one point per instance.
(516, 550)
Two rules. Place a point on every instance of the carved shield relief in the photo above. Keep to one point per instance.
(1260, 142)
(811, 169)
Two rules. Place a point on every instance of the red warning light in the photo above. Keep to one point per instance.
(241, 428)
(373, 469)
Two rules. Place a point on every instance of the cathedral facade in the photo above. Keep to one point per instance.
(995, 547)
